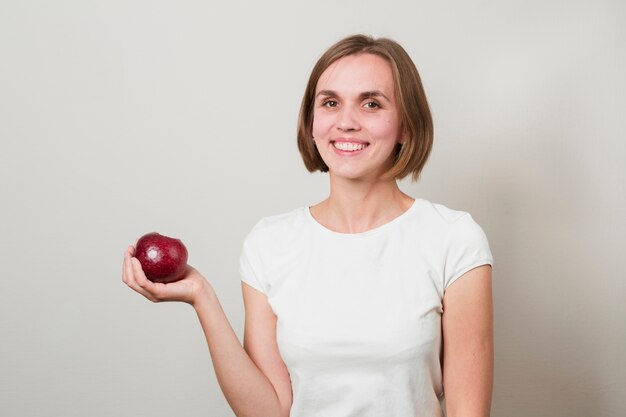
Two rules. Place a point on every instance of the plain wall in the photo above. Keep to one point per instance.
(118, 118)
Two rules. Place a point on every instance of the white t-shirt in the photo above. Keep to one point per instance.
(359, 315)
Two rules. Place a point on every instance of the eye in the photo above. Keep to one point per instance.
(329, 103)
(371, 105)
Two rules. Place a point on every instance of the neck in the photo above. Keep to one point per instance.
(357, 206)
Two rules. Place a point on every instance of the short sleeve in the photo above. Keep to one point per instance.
(468, 248)
(250, 267)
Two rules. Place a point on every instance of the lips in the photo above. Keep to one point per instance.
(349, 145)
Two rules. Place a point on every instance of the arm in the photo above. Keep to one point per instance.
(254, 384)
(255, 381)
(468, 344)
(260, 343)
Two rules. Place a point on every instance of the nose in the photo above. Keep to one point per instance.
(347, 119)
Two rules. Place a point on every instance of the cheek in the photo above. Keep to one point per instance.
(384, 128)
(321, 124)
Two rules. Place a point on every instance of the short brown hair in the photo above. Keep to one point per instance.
(415, 118)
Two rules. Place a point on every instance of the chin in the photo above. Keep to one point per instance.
(353, 175)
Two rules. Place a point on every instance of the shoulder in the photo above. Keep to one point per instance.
(271, 241)
(451, 228)
(278, 227)
(456, 238)
(440, 217)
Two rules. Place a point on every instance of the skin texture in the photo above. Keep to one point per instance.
(355, 102)
(468, 344)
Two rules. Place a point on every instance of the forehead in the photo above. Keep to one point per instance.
(358, 73)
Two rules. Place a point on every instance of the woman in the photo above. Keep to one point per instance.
(369, 303)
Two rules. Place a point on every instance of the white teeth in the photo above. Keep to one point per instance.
(349, 146)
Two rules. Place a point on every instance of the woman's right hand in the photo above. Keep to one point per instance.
(190, 289)
(252, 387)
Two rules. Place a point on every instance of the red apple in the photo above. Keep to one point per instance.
(163, 259)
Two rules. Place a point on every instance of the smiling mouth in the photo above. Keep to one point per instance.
(350, 146)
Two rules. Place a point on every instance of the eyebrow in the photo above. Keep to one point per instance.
(364, 95)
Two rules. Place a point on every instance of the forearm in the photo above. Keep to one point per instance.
(468, 381)
(248, 391)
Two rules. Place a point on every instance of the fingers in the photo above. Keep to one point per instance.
(184, 290)
(140, 277)
(126, 276)
(135, 278)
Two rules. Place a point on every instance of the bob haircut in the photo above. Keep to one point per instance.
(415, 119)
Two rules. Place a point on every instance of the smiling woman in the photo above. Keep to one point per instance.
(405, 95)
(370, 302)
(356, 127)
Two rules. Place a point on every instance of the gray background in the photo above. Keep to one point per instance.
(120, 118)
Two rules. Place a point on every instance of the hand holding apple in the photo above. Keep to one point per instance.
(191, 288)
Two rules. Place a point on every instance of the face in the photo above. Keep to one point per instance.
(356, 125)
